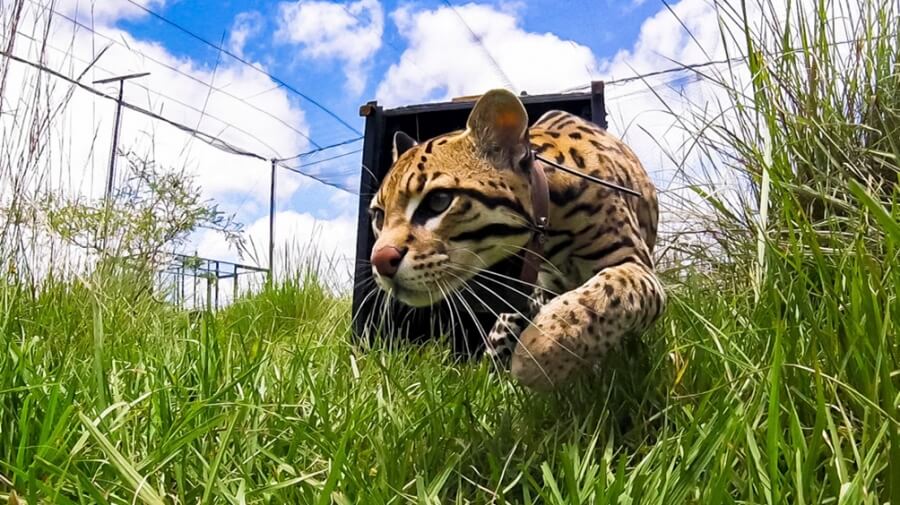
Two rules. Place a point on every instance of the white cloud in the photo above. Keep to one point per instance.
(300, 240)
(270, 123)
(664, 42)
(105, 10)
(246, 26)
(443, 59)
(350, 33)
(645, 120)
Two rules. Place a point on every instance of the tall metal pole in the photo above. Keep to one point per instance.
(272, 224)
(234, 297)
(217, 285)
(111, 173)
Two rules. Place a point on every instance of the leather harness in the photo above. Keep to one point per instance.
(540, 204)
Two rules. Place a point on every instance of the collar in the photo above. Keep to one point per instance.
(540, 204)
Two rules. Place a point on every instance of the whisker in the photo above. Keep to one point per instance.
(589, 309)
(497, 316)
(456, 324)
(527, 319)
(374, 295)
(517, 311)
(505, 277)
(387, 301)
(484, 336)
(544, 259)
(475, 320)
(476, 271)
(451, 304)
(435, 316)
(362, 283)
(440, 320)
(369, 170)
(512, 249)
(363, 304)
(502, 299)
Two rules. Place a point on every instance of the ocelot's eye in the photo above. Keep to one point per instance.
(437, 201)
(377, 217)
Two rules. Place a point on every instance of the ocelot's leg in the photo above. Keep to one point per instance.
(577, 328)
(502, 338)
(505, 333)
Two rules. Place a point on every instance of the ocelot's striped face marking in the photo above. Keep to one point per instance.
(454, 204)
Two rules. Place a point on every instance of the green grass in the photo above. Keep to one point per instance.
(113, 398)
(772, 378)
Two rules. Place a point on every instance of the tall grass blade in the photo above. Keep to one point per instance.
(137, 483)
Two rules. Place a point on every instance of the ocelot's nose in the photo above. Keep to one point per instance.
(387, 259)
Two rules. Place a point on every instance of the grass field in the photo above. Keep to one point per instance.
(772, 378)
(105, 398)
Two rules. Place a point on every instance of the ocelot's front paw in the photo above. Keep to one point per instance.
(554, 347)
(502, 339)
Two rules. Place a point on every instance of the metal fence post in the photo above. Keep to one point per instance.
(272, 224)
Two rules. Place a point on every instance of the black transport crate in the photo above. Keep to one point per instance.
(370, 316)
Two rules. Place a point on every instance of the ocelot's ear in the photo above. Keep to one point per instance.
(499, 126)
(402, 143)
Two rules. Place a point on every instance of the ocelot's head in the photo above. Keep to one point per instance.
(455, 204)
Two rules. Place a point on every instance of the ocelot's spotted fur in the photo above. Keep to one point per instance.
(457, 203)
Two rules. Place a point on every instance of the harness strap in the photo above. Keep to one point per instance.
(540, 203)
